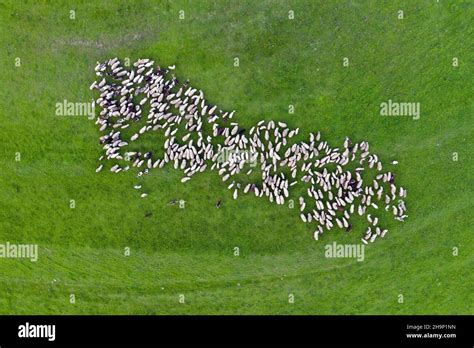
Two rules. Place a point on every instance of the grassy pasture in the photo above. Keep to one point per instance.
(191, 251)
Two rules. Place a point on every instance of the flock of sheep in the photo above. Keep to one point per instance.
(336, 182)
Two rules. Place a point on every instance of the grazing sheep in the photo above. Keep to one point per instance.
(332, 195)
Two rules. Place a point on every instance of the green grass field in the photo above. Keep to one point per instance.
(191, 251)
